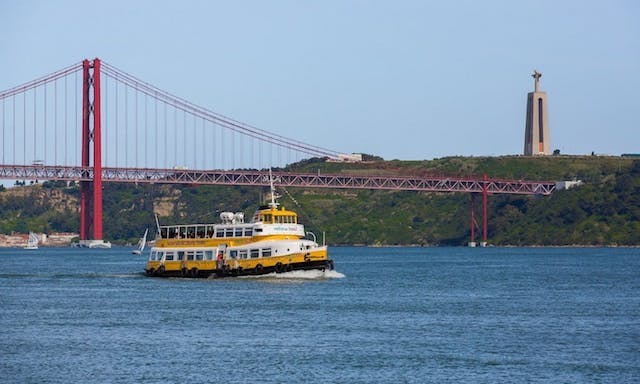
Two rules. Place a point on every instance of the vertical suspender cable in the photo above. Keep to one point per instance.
(203, 140)
(146, 130)
(14, 128)
(195, 143)
(66, 129)
(116, 118)
(76, 135)
(164, 138)
(3, 125)
(55, 122)
(222, 157)
(155, 137)
(44, 124)
(126, 125)
(184, 137)
(136, 127)
(24, 122)
(105, 114)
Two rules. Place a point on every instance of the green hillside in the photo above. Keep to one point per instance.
(603, 211)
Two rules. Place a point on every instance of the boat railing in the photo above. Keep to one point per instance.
(205, 231)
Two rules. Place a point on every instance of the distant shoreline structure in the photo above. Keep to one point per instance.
(54, 239)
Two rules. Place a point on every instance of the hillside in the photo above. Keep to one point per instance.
(604, 211)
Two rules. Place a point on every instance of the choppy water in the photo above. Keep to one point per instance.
(388, 315)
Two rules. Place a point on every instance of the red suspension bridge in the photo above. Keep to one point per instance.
(91, 122)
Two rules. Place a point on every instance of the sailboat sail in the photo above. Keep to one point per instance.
(141, 243)
(32, 243)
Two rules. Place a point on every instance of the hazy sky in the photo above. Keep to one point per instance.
(398, 79)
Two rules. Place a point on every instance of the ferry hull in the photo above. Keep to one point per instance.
(228, 271)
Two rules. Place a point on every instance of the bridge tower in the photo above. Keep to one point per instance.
(91, 192)
(536, 135)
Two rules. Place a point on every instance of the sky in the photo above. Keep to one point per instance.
(409, 80)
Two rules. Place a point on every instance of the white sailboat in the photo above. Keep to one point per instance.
(32, 243)
(141, 243)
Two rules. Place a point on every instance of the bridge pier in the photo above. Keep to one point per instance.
(484, 211)
(472, 243)
(91, 192)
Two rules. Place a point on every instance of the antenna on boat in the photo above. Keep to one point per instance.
(157, 223)
(273, 203)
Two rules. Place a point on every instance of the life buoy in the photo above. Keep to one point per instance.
(279, 268)
(258, 269)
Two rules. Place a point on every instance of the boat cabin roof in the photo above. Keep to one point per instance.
(269, 215)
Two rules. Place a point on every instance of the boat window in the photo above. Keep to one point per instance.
(164, 233)
(243, 253)
(182, 232)
(168, 256)
(228, 232)
(208, 255)
(255, 253)
(209, 231)
(200, 231)
(220, 232)
(190, 255)
(191, 232)
(248, 232)
(238, 232)
(152, 255)
(233, 253)
(258, 229)
(266, 252)
(180, 255)
(199, 255)
(173, 233)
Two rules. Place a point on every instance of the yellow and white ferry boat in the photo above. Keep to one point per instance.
(273, 241)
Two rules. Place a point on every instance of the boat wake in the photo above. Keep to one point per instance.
(313, 274)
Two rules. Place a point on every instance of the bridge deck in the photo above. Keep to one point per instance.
(261, 178)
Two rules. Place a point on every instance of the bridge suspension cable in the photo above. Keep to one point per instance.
(210, 116)
(142, 126)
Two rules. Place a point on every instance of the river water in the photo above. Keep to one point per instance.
(386, 315)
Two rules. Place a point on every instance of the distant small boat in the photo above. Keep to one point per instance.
(32, 243)
(141, 243)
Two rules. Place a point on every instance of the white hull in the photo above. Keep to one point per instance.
(98, 244)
